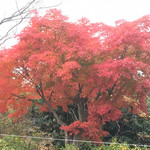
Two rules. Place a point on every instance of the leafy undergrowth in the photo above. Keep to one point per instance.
(22, 127)
(13, 143)
(112, 146)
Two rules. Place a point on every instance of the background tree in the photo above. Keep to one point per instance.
(97, 68)
(130, 128)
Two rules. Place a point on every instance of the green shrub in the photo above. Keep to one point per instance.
(15, 143)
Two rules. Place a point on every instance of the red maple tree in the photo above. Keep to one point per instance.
(99, 68)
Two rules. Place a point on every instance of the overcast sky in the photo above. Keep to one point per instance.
(107, 11)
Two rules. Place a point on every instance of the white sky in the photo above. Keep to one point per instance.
(107, 11)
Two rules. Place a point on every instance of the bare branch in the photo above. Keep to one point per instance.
(52, 6)
(11, 29)
(17, 13)
(20, 15)
(73, 114)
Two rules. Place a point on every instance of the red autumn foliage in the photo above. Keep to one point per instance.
(99, 68)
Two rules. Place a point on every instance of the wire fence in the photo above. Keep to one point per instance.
(81, 141)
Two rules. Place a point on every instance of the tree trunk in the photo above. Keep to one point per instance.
(83, 114)
(76, 140)
(82, 110)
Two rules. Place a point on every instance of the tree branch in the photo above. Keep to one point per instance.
(123, 53)
(98, 94)
(50, 96)
(110, 90)
(41, 93)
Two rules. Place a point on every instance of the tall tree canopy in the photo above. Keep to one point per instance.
(98, 68)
